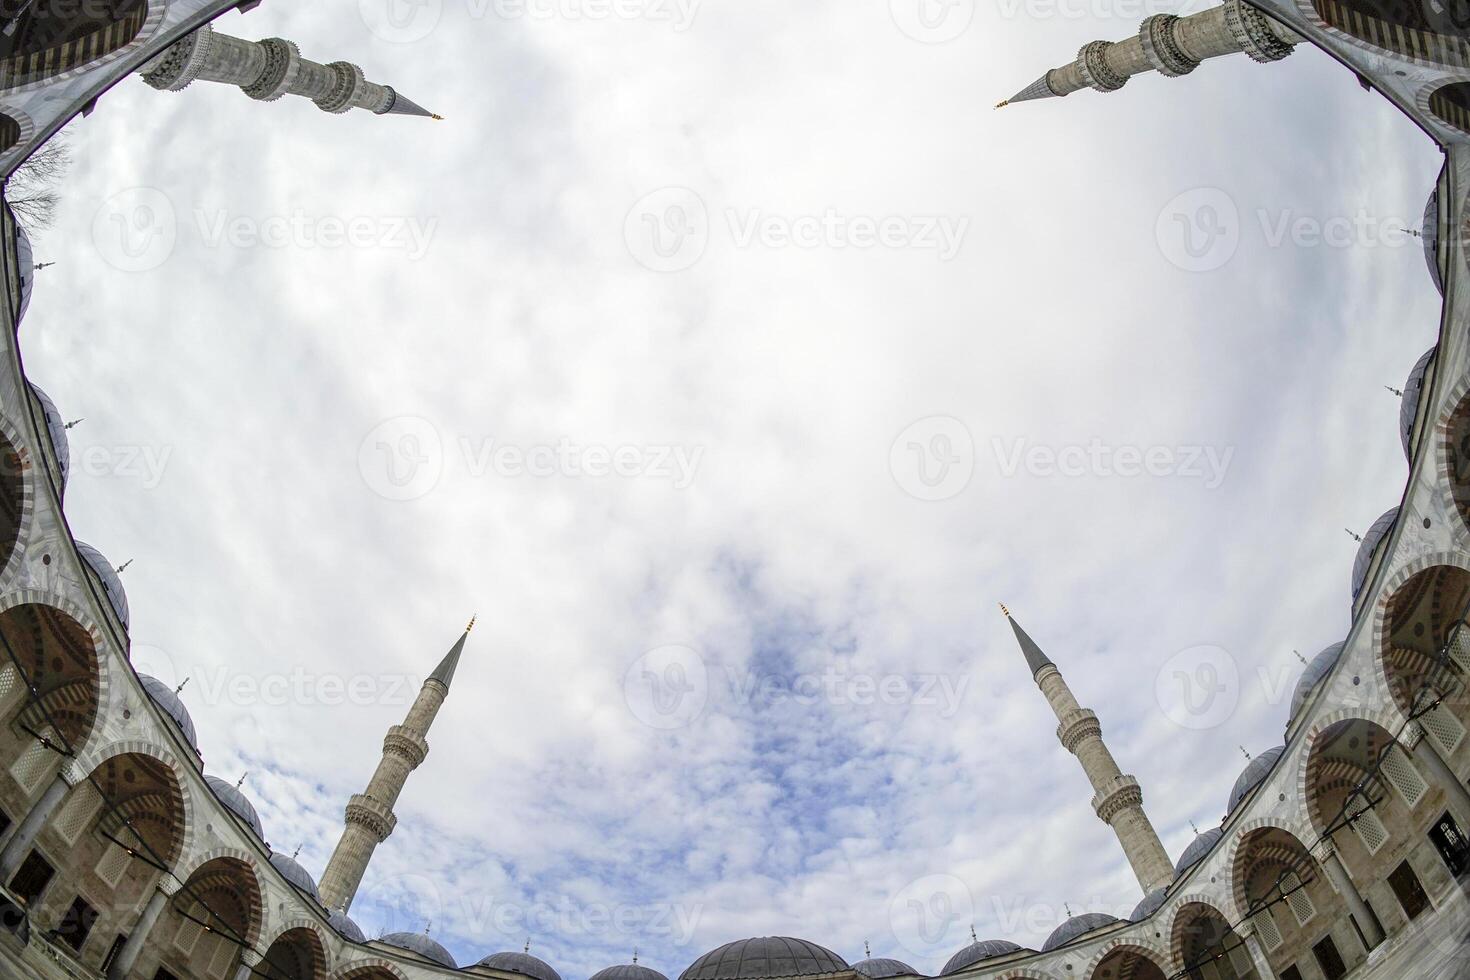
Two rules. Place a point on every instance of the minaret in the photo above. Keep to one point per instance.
(269, 69)
(1118, 799)
(370, 816)
(1169, 45)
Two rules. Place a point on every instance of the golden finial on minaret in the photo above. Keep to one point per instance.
(1004, 610)
(472, 623)
(1002, 105)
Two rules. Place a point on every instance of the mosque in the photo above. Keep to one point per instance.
(1343, 849)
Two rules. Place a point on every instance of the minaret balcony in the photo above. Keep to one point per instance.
(1077, 727)
(372, 814)
(1121, 793)
(407, 744)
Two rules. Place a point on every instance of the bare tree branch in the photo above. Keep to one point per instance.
(31, 190)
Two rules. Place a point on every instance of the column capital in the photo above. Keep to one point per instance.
(249, 957)
(1411, 736)
(169, 885)
(1324, 851)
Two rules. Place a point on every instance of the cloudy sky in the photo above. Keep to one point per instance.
(732, 361)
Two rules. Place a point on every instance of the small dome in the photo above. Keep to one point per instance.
(111, 581)
(764, 957)
(168, 702)
(294, 873)
(26, 264)
(985, 949)
(1318, 668)
(1151, 903)
(1198, 850)
(417, 942)
(628, 971)
(1431, 239)
(1369, 547)
(1077, 926)
(1409, 407)
(1260, 767)
(56, 428)
(345, 927)
(529, 966)
(236, 802)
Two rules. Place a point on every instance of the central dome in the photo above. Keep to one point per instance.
(765, 958)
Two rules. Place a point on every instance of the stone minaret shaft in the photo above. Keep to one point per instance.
(1171, 46)
(370, 816)
(1118, 799)
(269, 69)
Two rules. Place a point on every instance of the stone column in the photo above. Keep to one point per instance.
(1326, 854)
(1247, 934)
(25, 835)
(1422, 748)
(138, 937)
(249, 960)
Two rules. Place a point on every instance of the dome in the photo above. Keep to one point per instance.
(111, 582)
(881, 968)
(628, 971)
(418, 942)
(345, 927)
(1151, 903)
(1198, 850)
(236, 802)
(1370, 544)
(1431, 239)
(295, 874)
(1320, 666)
(56, 428)
(529, 966)
(986, 949)
(765, 957)
(1409, 407)
(1074, 927)
(1260, 767)
(168, 702)
(26, 265)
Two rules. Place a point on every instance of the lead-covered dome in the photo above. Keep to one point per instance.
(25, 257)
(628, 971)
(881, 968)
(237, 803)
(1409, 406)
(1317, 668)
(168, 702)
(1369, 548)
(1151, 903)
(1431, 239)
(56, 430)
(111, 581)
(345, 927)
(985, 949)
(522, 963)
(425, 946)
(295, 874)
(764, 958)
(1077, 926)
(1254, 774)
(1198, 850)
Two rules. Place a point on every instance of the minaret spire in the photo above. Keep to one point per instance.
(268, 69)
(1169, 45)
(370, 817)
(1118, 799)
